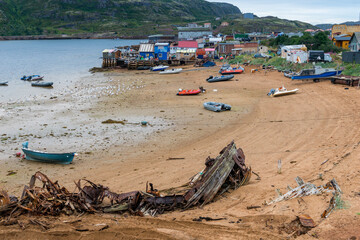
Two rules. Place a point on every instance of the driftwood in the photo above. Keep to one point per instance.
(226, 171)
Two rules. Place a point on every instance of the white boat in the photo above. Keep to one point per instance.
(159, 68)
(171, 71)
(282, 91)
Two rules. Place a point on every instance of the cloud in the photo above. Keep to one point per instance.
(311, 11)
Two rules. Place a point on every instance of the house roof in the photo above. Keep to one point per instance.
(341, 38)
(247, 45)
(357, 35)
(188, 44)
(146, 47)
(161, 44)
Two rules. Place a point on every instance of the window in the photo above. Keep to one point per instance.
(160, 55)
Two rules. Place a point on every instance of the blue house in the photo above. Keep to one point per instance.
(162, 51)
(146, 51)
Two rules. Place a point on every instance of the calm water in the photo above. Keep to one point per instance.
(60, 61)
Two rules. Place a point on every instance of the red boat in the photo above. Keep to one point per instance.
(189, 92)
(231, 71)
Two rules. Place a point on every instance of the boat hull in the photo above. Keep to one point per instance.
(229, 72)
(3, 83)
(278, 94)
(42, 84)
(216, 107)
(59, 158)
(175, 71)
(323, 75)
(189, 92)
(155, 69)
(220, 79)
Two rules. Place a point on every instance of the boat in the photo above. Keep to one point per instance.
(32, 78)
(217, 107)
(220, 78)
(188, 92)
(281, 91)
(315, 73)
(3, 83)
(230, 70)
(143, 68)
(42, 84)
(171, 71)
(34, 155)
(159, 68)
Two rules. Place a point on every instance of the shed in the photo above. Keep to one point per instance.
(147, 50)
(342, 41)
(108, 53)
(162, 51)
(288, 48)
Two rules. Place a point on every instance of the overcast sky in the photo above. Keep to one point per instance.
(310, 11)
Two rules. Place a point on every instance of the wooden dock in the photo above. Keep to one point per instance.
(346, 80)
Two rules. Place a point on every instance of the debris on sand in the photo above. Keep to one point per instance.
(226, 171)
(110, 121)
(306, 189)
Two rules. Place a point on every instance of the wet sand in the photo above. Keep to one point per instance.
(303, 130)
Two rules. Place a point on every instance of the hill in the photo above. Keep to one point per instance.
(23, 17)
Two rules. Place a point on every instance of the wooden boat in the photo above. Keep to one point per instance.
(159, 68)
(3, 83)
(219, 79)
(42, 84)
(189, 92)
(32, 78)
(33, 155)
(171, 71)
(281, 92)
(217, 107)
(315, 73)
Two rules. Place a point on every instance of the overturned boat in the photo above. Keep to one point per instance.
(42, 84)
(217, 107)
(171, 71)
(281, 91)
(315, 73)
(219, 79)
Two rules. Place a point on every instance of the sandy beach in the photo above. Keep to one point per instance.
(304, 130)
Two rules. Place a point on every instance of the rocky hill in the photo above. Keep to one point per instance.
(23, 17)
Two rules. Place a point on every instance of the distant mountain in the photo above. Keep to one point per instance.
(324, 26)
(24, 17)
(351, 23)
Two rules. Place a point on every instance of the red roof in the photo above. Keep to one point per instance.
(188, 44)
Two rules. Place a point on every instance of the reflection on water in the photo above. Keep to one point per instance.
(60, 61)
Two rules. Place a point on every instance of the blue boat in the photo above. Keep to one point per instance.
(159, 68)
(33, 155)
(316, 73)
(32, 78)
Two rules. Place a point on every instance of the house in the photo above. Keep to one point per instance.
(225, 48)
(146, 50)
(193, 32)
(162, 51)
(247, 47)
(342, 40)
(207, 25)
(186, 50)
(354, 44)
(339, 29)
(224, 24)
(288, 48)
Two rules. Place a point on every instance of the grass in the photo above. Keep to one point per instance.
(340, 204)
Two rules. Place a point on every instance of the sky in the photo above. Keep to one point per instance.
(310, 11)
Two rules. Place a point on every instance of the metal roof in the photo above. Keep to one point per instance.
(146, 47)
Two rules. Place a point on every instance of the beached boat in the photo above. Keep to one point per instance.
(171, 71)
(159, 68)
(32, 78)
(316, 73)
(230, 70)
(219, 79)
(143, 68)
(189, 92)
(33, 155)
(217, 107)
(281, 91)
(42, 84)
(3, 83)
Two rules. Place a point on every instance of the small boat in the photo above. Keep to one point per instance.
(171, 71)
(3, 83)
(315, 73)
(281, 91)
(143, 68)
(230, 70)
(217, 107)
(188, 92)
(159, 68)
(32, 78)
(33, 155)
(42, 84)
(219, 79)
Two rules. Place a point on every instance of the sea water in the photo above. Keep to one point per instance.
(62, 62)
